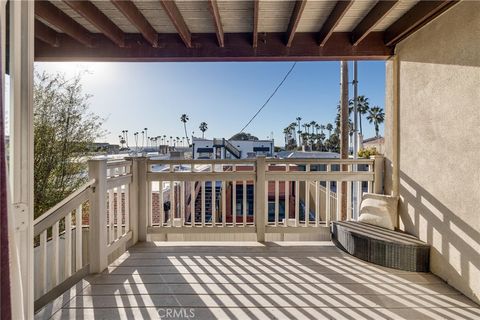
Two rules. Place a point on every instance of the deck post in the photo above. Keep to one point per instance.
(21, 210)
(141, 184)
(133, 199)
(97, 244)
(378, 161)
(260, 198)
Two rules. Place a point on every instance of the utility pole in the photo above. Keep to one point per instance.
(343, 134)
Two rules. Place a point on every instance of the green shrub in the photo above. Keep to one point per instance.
(367, 152)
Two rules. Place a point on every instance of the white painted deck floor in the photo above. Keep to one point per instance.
(248, 280)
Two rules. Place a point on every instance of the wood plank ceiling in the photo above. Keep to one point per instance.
(229, 30)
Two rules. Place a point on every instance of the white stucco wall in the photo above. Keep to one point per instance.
(439, 142)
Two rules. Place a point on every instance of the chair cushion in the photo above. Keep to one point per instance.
(379, 210)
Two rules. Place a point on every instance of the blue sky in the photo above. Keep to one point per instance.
(225, 95)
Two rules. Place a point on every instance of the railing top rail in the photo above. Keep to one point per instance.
(253, 161)
(60, 205)
(318, 161)
(203, 161)
(117, 163)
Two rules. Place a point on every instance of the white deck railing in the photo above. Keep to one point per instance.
(128, 200)
(61, 236)
(251, 195)
(58, 235)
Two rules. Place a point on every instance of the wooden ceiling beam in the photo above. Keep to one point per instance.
(374, 16)
(175, 16)
(213, 6)
(96, 17)
(341, 7)
(137, 19)
(239, 48)
(46, 34)
(62, 21)
(256, 9)
(416, 17)
(294, 20)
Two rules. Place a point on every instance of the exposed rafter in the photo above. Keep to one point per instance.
(96, 17)
(175, 16)
(46, 34)
(304, 48)
(294, 20)
(332, 21)
(138, 20)
(256, 9)
(213, 6)
(416, 17)
(374, 16)
(59, 19)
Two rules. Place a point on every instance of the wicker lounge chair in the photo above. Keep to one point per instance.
(393, 249)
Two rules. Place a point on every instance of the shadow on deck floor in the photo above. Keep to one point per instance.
(249, 280)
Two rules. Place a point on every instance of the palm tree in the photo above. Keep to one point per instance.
(184, 118)
(286, 131)
(292, 127)
(376, 116)
(362, 108)
(299, 126)
(322, 127)
(329, 128)
(312, 124)
(203, 127)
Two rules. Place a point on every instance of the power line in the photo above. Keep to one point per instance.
(271, 96)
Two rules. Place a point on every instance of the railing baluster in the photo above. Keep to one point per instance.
(68, 246)
(110, 216)
(307, 197)
(54, 270)
(297, 203)
(370, 183)
(192, 203)
(266, 222)
(173, 203)
(339, 201)
(203, 204)
(118, 201)
(317, 203)
(161, 203)
(78, 239)
(234, 202)
(287, 202)
(126, 210)
(244, 202)
(182, 203)
(42, 272)
(150, 210)
(349, 196)
(328, 215)
(224, 203)
(277, 201)
(214, 202)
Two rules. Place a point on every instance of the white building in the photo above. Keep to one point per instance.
(230, 149)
